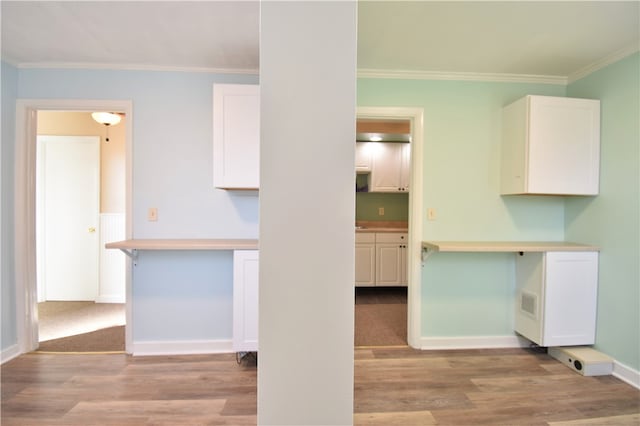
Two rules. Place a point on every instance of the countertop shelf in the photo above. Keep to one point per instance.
(429, 247)
(131, 247)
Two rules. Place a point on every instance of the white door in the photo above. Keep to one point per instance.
(68, 196)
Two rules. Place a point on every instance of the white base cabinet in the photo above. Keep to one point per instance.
(365, 259)
(556, 297)
(381, 259)
(245, 300)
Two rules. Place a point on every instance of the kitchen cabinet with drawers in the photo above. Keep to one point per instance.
(381, 259)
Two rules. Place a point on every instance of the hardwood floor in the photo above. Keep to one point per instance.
(393, 386)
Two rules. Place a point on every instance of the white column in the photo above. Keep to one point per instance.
(307, 204)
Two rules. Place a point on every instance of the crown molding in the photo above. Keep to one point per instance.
(462, 76)
(607, 60)
(133, 67)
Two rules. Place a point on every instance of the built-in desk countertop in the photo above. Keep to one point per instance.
(429, 247)
(130, 247)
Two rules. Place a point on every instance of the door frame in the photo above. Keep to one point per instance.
(25, 208)
(414, 250)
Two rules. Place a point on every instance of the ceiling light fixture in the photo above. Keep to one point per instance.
(375, 138)
(108, 119)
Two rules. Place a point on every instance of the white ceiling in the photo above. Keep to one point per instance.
(510, 38)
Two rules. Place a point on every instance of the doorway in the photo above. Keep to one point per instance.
(27, 297)
(383, 154)
(413, 247)
(79, 207)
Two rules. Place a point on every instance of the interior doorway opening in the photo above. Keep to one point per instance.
(31, 117)
(80, 200)
(383, 162)
(406, 128)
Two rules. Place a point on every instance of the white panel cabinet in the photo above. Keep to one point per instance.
(391, 259)
(236, 136)
(557, 297)
(551, 145)
(381, 259)
(365, 259)
(245, 300)
(390, 167)
(364, 157)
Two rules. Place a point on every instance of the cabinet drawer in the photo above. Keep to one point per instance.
(365, 237)
(391, 237)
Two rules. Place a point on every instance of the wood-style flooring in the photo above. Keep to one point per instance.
(393, 386)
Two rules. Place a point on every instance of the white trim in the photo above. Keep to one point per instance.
(25, 241)
(182, 347)
(10, 353)
(135, 67)
(110, 298)
(462, 76)
(473, 342)
(607, 60)
(416, 116)
(626, 374)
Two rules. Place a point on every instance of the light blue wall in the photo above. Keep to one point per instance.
(176, 296)
(9, 77)
(468, 294)
(612, 219)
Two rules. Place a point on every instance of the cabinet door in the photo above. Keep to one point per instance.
(564, 145)
(570, 295)
(386, 171)
(391, 259)
(245, 300)
(388, 260)
(365, 265)
(364, 156)
(405, 171)
(236, 136)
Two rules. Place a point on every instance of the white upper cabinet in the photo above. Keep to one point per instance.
(363, 157)
(236, 136)
(551, 145)
(390, 167)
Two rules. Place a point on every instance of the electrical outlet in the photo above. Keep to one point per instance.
(152, 214)
(380, 211)
(431, 214)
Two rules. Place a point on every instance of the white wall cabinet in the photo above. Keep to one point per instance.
(365, 259)
(551, 145)
(364, 157)
(245, 300)
(390, 169)
(556, 297)
(236, 136)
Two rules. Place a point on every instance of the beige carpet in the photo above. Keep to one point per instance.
(81, 326)
(380, 317)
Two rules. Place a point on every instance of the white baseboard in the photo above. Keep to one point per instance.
(473, 342)
(186, 347)
(111, 299)
(10, 353)
(626, 374)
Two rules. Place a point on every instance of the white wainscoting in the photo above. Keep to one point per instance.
(111, 283)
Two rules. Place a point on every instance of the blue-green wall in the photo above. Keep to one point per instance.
(612, 220)
(468, 294)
